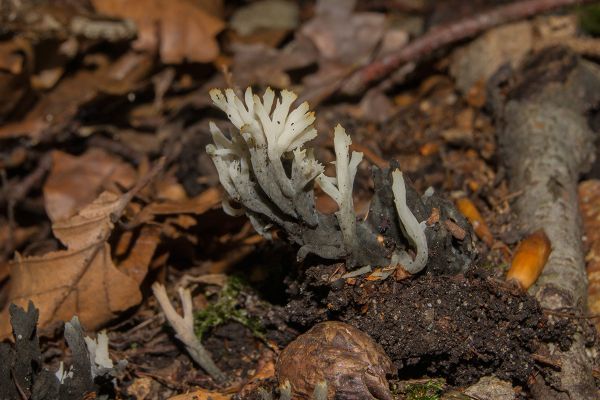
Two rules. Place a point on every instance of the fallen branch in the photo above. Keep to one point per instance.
(546, 143)
(441, 36)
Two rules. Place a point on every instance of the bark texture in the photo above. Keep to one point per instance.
(546, 144)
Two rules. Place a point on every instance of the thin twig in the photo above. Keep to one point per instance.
(441, 36)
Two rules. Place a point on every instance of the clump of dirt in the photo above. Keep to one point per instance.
(461, 327)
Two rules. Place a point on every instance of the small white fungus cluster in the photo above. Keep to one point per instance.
(267, 130)
(264, 165)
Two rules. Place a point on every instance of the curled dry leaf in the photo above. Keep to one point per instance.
(347, 359)
(529, 259)
(179, 29)
(82, 279)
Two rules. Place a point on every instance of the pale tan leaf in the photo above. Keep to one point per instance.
(179, 29)
(91, 224)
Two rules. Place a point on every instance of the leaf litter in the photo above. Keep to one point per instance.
(93, 93)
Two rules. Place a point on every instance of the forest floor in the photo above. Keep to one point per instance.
(106, 188)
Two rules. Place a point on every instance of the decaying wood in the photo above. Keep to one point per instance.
(546, 144)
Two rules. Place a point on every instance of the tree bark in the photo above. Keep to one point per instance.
(546, 144)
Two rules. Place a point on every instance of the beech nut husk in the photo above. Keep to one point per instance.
(351, 364)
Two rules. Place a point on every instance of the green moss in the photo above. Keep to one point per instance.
(589, 18)
(226, 308)
(430, 390)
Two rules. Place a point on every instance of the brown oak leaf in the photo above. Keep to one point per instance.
(81, 280)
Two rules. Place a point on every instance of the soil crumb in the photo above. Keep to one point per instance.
(461, 327)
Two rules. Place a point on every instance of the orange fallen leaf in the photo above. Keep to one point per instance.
(75, 181)
(83, 279)
(196, 205)
(529, 259)
(468, 209)
(179, 29)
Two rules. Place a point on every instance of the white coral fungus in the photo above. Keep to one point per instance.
(412, 229)
(340, 188)
(264, 168)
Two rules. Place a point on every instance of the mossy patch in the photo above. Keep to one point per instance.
(589, 19)
(430, 390)
(226, 308)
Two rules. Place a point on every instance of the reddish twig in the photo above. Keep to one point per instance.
(441, 36)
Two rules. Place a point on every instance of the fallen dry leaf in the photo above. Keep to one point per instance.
(264, 370)
(196, 205)
(15, 56)
(589, 201)
(201, 394)
(342, 35)
(179, 29)
(11, 238)
(136, 263)
(468, 209)
(75, 181)
(55, 110)
(265, 14)
(263, 65)
(81, 280)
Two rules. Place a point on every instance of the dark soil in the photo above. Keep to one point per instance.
(234, 348)
(460, 327)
